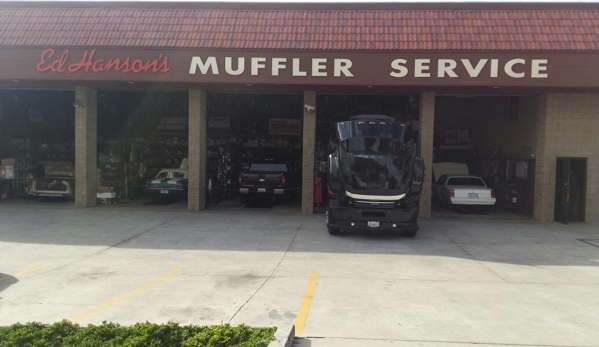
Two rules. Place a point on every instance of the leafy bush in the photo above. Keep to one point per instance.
(67, 334)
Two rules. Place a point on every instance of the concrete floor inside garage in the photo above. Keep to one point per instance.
(458, 283)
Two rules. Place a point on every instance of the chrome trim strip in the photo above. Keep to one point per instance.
(376, 197)
(374, 202)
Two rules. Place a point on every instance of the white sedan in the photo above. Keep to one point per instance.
(463, 190)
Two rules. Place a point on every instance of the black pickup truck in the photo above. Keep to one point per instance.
(264, 181)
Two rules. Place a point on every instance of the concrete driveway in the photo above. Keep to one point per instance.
(458, 283)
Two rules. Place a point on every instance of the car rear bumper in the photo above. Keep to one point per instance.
(390, 219)
(254, 190)
(467, 201)
(51, 194)
(167, 193)
(63, 188)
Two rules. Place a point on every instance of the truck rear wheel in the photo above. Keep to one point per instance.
(410, 233)
(334, 231)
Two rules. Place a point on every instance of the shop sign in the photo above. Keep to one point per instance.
(284, 127)
(63, 62)
(219, 122)
(341, 67)
(451, 137)
(301, 68)
(446, 68)
(52, 61)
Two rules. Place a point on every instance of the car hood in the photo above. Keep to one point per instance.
(59, 169)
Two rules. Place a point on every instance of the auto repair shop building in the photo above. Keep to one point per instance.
(512, 90)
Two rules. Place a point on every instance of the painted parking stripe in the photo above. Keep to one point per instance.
(21, 273)
(304, 312)
(123, 297)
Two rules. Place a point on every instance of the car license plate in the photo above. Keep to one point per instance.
(261, 190)
(473, 195)
(374, 224)
(163, 191)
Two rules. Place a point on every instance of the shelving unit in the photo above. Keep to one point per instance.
(17, 184)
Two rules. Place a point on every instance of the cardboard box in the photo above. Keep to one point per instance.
(8, 161)
(9, 172)
(103, 189)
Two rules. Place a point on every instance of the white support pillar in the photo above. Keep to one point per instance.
(197, 150)
(308, 147)
(425, 145)
(86, 146)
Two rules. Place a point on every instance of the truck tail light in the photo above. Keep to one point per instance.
(283, 181)
(240, 180)
(452, 193)
(492, 193)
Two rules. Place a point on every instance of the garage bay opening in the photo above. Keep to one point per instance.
(483, 155)
(254, 150)
(37, 149)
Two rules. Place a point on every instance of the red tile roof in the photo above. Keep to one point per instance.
(569, 30)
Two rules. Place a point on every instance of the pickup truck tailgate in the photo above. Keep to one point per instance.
(262, 180)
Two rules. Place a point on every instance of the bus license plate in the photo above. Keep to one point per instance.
(261, 190)
(374, 224)
(164, 191)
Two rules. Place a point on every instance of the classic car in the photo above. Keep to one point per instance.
(52, 180)
(452, 190)
(168, 183)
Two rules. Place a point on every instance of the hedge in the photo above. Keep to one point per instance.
(67, 334)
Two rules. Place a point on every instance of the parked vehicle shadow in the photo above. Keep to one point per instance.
(278, 230)
(6, 281)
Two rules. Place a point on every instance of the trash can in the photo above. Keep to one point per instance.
(318, 191)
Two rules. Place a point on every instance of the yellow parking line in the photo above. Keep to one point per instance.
(302, 316)
(123, 297)
(24, 272)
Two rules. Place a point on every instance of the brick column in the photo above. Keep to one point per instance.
(309, 140)
(86, 146)
(425, 146)
(543, 204)
(197, 150)
(567, 126)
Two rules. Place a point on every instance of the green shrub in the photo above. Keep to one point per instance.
(67, 334)
(226, 335)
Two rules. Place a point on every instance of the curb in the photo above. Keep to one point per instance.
(284, 336)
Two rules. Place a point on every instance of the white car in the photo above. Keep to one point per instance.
(170, 183)
(57, 181)
(463, 190)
